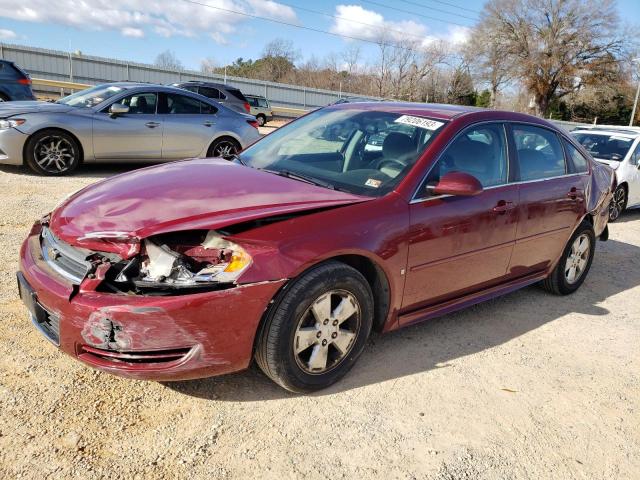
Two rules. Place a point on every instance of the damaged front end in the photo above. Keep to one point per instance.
(178, 263)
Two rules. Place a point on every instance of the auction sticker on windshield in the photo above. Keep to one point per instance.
(419, 122)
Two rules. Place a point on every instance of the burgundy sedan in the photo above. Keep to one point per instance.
(355, 217)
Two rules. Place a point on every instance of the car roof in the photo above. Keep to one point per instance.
(147, 86)
(440, 111)
(206, 84)
(631, 132)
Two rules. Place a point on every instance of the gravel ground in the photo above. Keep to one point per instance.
(527, 386)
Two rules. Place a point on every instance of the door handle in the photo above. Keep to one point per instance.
(152, 124)
(503, 207)
(208, 123)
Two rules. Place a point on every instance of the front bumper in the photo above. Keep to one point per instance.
(11, 146)
(149, 337)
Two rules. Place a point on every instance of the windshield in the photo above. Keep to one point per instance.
(605, 146)
(91, 96)
(359, 151)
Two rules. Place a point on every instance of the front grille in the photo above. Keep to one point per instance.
(48, 324)
(157, 356)
(68, 261)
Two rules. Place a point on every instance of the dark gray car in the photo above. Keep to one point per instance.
(15, 83)
(227, 95)
(120, 122)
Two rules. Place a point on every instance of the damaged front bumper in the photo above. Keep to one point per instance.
(145, 337)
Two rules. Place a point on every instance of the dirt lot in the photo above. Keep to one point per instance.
(526, 386)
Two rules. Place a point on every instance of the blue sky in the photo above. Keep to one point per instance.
(138, 30)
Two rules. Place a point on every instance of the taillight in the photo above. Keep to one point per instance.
(247, 107)
(24, 81)
(253, 123)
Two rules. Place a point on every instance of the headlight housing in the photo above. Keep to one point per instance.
(6, 123)
(186, 265)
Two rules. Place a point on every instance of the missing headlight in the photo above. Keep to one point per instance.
(183, 261)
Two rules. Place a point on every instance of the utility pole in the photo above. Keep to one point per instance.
(635, 103)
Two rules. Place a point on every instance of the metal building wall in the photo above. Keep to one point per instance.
(62, 66)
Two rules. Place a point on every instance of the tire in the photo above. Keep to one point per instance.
(559, 281)
(52, 153)
(224, 146)
(262, 120)
(3, 98)
(292, 342)
(618, 203)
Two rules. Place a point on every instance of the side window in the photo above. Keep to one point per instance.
(479, 151)
(209, 92)
(207, 109)
(263, 103)
(252, 101)
(635, 156)
(141, 102)
(180, 104)
(191, 88)
(579, 161)
(539, 152)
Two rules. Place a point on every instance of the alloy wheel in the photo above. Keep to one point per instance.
(225, 149)
(578, 258)
(327, 332)
(54, 154)
(617, 204)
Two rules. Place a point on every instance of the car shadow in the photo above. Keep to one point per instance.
(435, 343)
(90, 170)
(629, 215)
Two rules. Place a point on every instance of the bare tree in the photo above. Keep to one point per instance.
(555, 46)
(208, 65)
(168, 60)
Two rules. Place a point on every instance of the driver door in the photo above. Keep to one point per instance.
(460, 244)
(634, 177)
(134, 135)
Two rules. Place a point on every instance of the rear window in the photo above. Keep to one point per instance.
(237, 93)
(605, 146)
(10, 70)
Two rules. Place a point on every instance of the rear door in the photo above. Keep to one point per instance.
(633, 174)
(133, 135)
(552, 198)
(189, 126)
(458, 244)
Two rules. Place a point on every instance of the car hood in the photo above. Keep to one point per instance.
(8, 109)
(115, 214)
(614, 164)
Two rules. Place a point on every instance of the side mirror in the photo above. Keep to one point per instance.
(118, 109)
(459, 184)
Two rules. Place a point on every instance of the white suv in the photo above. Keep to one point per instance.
(618, 147)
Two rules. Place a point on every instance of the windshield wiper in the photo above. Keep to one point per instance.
(235, 156)
(302, 178)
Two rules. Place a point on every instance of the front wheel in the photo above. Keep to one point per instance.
(317, 329)
(262, 120)
(618, 203)
(574, 264)
(52, 152)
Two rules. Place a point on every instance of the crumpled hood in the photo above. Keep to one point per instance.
(192, 194)
(8, 109)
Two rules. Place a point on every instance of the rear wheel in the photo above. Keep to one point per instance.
(317, 330)
(224, 147)
(618, 203)
(52, 152)
(574, 264)
(3, 98)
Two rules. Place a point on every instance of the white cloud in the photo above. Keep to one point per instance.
(358, 22)
(132, 18)
(7, 34)
(270, 9)
(132, 32)
(355, 21)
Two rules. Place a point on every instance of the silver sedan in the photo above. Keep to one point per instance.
(120, 122)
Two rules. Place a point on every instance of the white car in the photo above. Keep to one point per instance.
(618, 147)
